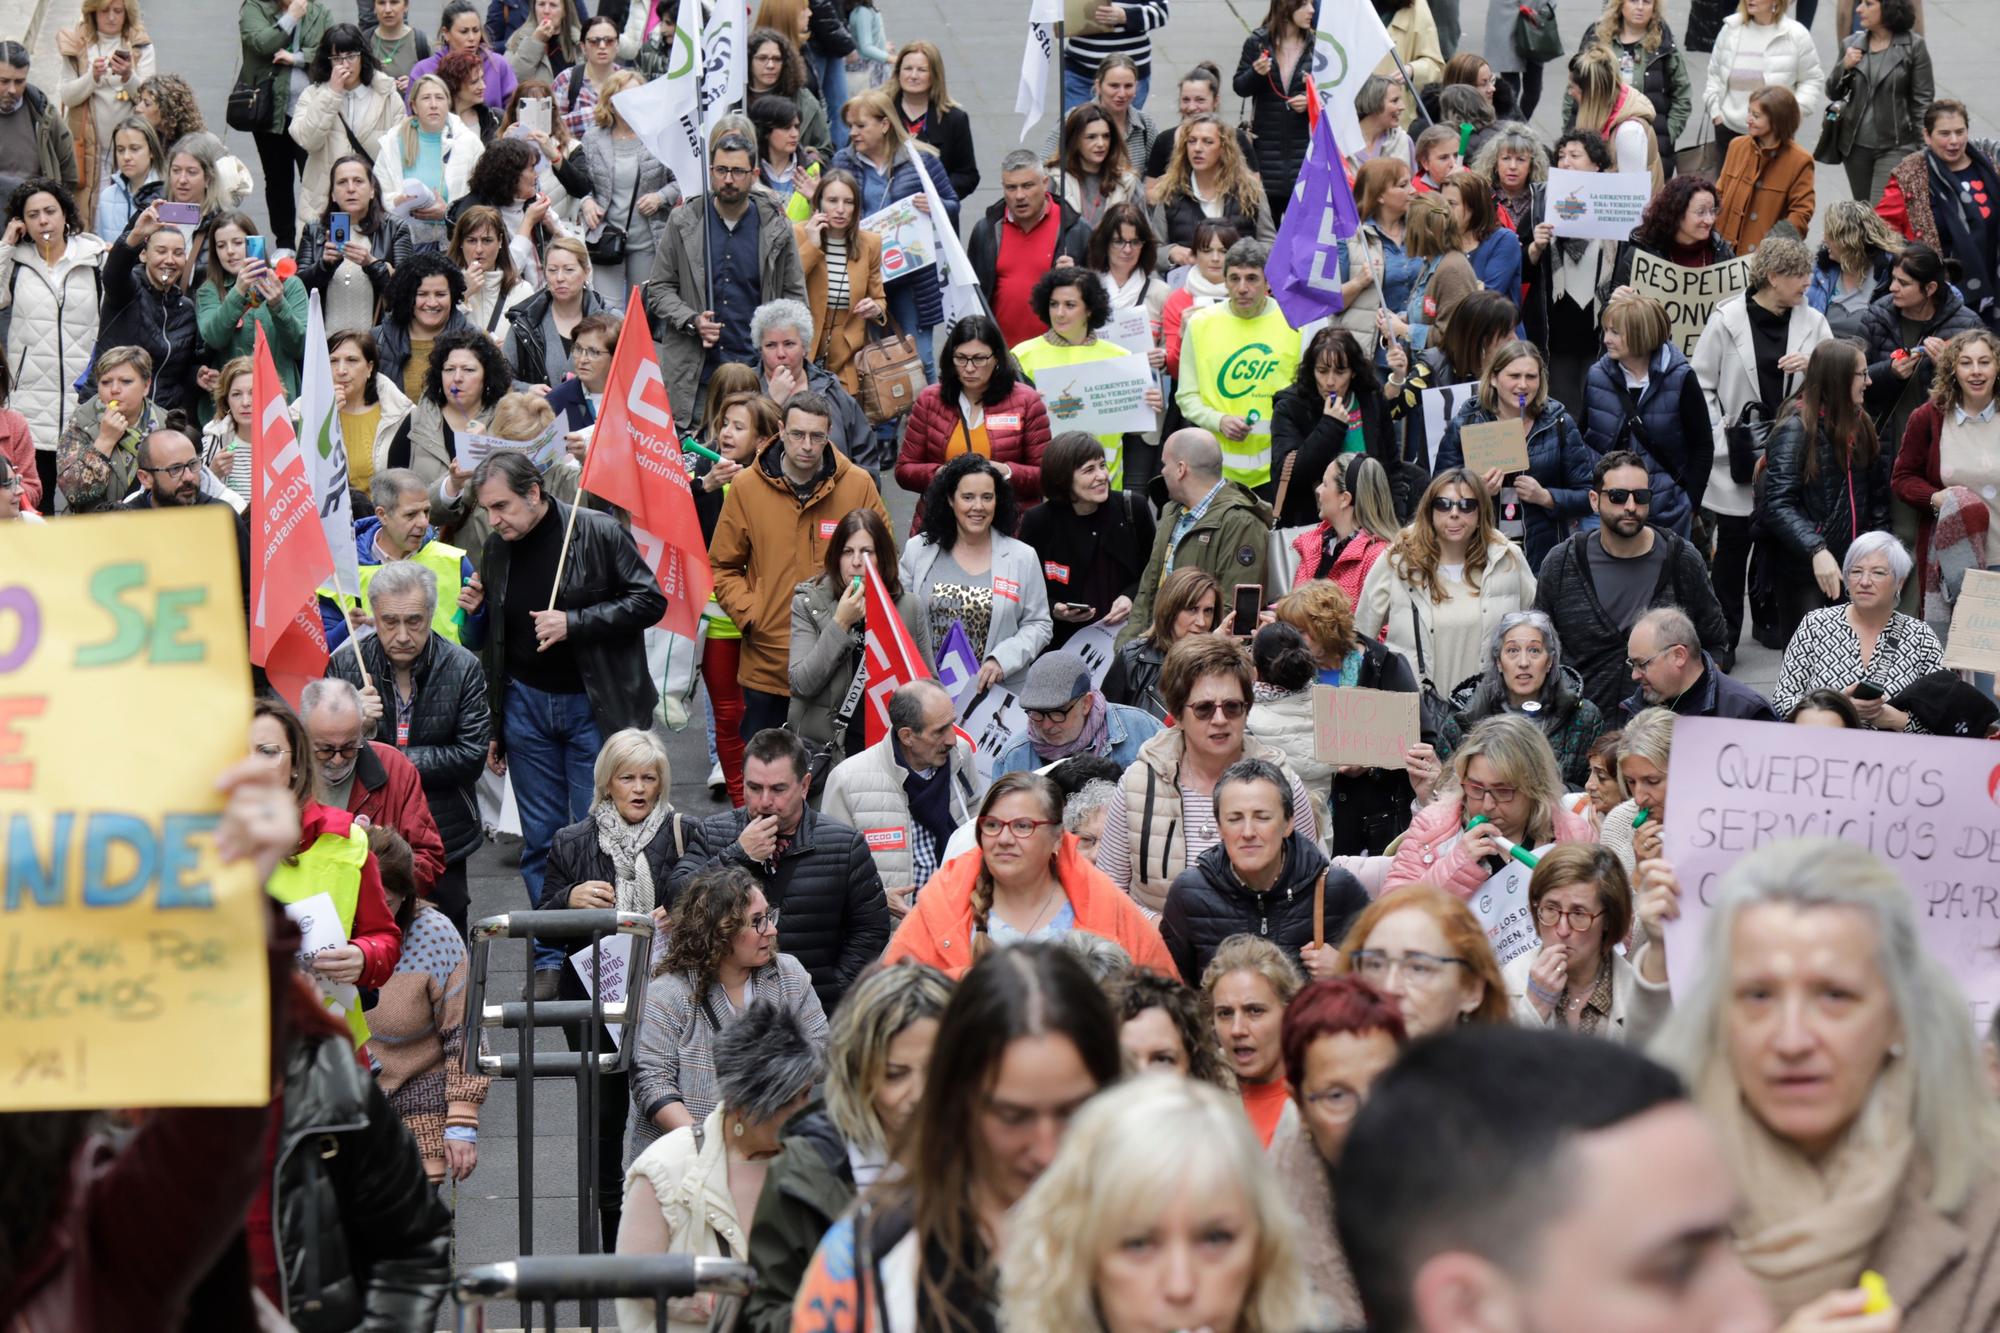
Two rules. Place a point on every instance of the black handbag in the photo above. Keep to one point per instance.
(1746, 438)
(1536, 40)
(609, 247)
(1432, 708)
(821, 758)
(249, 106)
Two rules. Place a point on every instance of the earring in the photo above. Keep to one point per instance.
(1896, 1050)
(737, 1129)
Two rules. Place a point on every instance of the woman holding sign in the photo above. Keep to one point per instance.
(1072, 301)
(466, 380)
(1509, 797)
(1832, 1051)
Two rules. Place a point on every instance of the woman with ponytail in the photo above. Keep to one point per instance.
(1027, 881)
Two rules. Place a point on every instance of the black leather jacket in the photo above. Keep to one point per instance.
(362, 1240)
(390, 245)
(527, 345)
(611, 598)
(1823, 512)
(449, 728)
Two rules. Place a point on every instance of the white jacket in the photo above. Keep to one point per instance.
(690, 1183)
(1022, 625)
(1285, 722)
(1638, 1007)
(486, 306)
(53, 330)
(1725, 361)
(1387, 599)
(316, 127)
(462, 150)
(1790, 61)
(865, 792)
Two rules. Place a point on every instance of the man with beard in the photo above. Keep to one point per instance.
(369, 780)
(34, 137)
(1596, 585)
(1674, 673)
(721, 256)
(170, 477)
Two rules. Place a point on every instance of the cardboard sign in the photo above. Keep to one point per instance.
(1099, 397)
(1501, 904)
(1367, 727)
(1974, 644)
(1440, 406)
(1925, 805)
(1689, 294)
(1597, 206)
(908, 243)
(128, 945)
(1494, 444)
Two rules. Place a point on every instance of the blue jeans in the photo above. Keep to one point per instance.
(833, 92)
(1080, 88)
(552, 745)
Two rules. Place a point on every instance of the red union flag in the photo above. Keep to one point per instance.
(635, 462)
(292, 559)
(891, 659)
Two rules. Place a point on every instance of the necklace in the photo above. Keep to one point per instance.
(1047, 903)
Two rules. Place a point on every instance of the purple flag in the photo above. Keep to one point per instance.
(957, 668)
(1304, 269)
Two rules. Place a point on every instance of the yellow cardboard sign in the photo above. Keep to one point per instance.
(132, 963)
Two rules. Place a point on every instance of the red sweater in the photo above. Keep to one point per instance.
(1023, 257)
(18, 443)
(1017, 427)
(397, 802)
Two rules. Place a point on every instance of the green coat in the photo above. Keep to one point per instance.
(262, 38)
(220, 318)
(1232, 541)
(807, 1188)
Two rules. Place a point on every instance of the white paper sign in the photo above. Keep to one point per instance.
(1097, 645)
(610, 974)
(1440, 406)
(497, 810)
(1131, 328)
(993, 719)
(320, 930)
(908, 243)
(1597, 206)
(543, 450)
(534, 114)
(1501, 904)
(1099, 397)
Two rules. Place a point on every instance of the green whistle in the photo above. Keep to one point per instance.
(1640, 818)
(691, 445)
(1518, 852)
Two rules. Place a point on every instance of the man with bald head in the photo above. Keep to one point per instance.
(370, 780)
(1209, 523)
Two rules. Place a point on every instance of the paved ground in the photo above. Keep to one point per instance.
(981, 45)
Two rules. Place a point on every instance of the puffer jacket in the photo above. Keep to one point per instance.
(835, 917)
(865, 792)
(1280, 134)
(902, 182)
(1017, 427)
(809, 1185)
(322, 126)
(1823, 512)
(1350, 566)
(1891, 398)
(1790, 60)
(611, 598)
(462, 151)
(54, 328)
(1571, 724)
(1662, 75)
(1208, 903)
(363, 1240)
(449, 728)
(165, 323)
(1557, 458)
(824, 659)
(527, 342)
(1431, 851)
(1678, 441)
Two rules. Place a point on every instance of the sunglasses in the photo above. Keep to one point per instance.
(1618, 495)
(1444, 504)
(1231, 708)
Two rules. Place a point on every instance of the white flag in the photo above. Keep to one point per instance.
(1349, 45)
(665, 113)
(1033, 98)
(319, 427)
(957, 279)
(723, 65)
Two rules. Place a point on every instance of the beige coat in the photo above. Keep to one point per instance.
(1413, 33)
(1303, 1178)
(1944, 1272)
(317, 128)
(1638, 1007)
(1387, 599)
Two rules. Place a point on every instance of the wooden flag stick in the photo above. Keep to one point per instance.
(562, 556)
(355, 639)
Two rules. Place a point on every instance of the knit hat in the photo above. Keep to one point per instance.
(1055, 680)
(1947, 706)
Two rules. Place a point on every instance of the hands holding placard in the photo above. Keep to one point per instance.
(1659, 903)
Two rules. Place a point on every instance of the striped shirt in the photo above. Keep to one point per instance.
(1135, 39)
(838, 297)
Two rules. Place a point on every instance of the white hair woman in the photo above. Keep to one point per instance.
(1216, 1246)
(1835, 1057)
(1864, 648)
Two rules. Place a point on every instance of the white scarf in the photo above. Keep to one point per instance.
(1129, 293)
(1204, 292)
(625, 844)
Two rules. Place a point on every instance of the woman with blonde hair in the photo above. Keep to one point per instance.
(631, 194)
(1620, 114)
(431, 148)
(1645, 748)
(1955, 429)
(1027, 881)
(1069, 1263)
(1637, 34)
(1357, 522)
(1760, 46)
(1444, 276)
(1375, 270)
(105, 59)
(225, 441)
(1207, 165)
(1424, 949)
(1246, 986)
(1446, 581)
(1851, 272)
(1829, 1049)
(1504, 789)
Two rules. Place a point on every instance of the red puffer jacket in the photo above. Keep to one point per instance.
(1017, 425)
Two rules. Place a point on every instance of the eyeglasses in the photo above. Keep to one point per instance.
(1619, 495)
(270, 751)
(765, 922)
(1125, 243)
(1479, 791)
(1338, 1104)
(1444, 504)
(1053, 715)
(1418, 968)
(600, 41)
(325, 752)
(1231, 708)
(1022, 829)
(971, 360)
(1579, 920)
(1641, 663)
(807, 436)
(733, 173)
(187, 469)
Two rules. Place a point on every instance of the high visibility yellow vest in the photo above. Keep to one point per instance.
(1037, 356)
(1242, 363)
(447, 562)
(332, 865)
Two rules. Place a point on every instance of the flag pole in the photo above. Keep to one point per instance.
(1410, 85)
(355, 639)
(1062, 115)
(562, 556)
